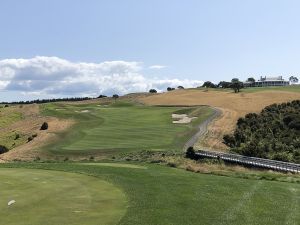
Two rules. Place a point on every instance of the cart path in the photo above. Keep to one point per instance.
(202, 128)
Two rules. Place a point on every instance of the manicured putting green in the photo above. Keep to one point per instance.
(50, 197)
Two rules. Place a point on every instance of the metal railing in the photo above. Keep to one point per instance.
(251, 161)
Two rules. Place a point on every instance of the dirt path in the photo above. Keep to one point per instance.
(202, 129)
(213, 138)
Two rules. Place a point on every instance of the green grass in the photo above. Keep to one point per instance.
(121, 127)
(8, 117)
(51, 197)
(156, 195)
(8, 139)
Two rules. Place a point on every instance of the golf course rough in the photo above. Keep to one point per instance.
(51, 197)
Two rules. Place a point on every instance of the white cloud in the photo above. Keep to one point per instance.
(157, 67)
(56, 77)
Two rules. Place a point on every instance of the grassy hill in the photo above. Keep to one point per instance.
(233, 105)
(118, 192)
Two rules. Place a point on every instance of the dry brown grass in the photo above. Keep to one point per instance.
(232, 105)
(29, 125)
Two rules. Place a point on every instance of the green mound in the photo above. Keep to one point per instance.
(50, 197)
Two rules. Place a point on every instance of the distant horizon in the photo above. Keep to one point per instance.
(69, 48)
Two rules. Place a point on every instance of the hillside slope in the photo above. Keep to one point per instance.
(232, 105)
(274, 133)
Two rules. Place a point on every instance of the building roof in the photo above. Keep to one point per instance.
(277, 78)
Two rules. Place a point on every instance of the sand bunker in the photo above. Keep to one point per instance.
(83, 111)
(182, 118)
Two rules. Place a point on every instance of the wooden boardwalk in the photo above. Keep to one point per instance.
(251, 161)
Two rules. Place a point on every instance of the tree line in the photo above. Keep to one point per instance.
(235, 84)
(40, 101)
(274, 133)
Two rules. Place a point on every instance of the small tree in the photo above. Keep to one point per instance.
(102, 96)
(251, 79)
(152, 91)
(224, 84)
(293, 79)
(3, 149)
(209, 84)
(170, 89)
(180, 87)
(44, 126)
(236, 85)
(115, 97)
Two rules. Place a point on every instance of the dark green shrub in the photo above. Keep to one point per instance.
(190, 153)
(152, 91)
(3, 149)
(44, 126)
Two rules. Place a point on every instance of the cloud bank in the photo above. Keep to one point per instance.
(157, 67)
(54, 76)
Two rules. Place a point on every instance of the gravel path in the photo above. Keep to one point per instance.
(202, 129)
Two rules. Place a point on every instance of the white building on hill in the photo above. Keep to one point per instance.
(267, 81)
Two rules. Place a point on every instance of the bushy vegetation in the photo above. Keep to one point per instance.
(44, 126)
(170, 89)
(152, 91)
(3, 149)
(115, 97)
(40, 101)
(273, 134)
(209, 84)
(235, 84)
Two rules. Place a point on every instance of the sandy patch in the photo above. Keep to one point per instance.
(182, 118)
(82, 111)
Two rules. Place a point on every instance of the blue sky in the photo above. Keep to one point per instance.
(195, 40)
